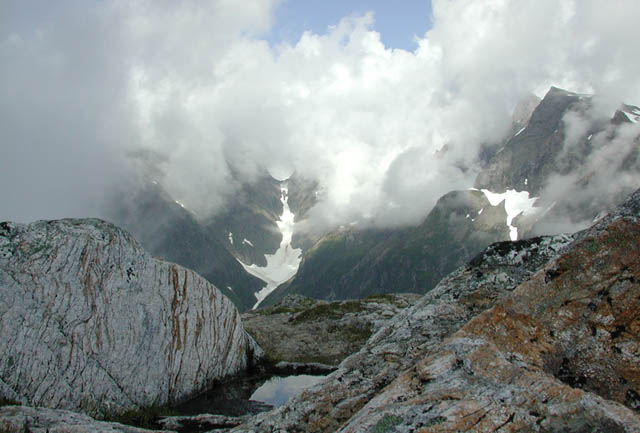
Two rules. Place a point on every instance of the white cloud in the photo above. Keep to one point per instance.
(193, 84)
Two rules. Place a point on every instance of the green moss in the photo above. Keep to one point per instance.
(381, 298)
(592, 245)
(334, 310)
(144, 418)
(435, 421)
(8, 402)
(386, 424)
(270, 311)
(355, 334)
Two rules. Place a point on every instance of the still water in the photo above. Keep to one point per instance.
(278, 390)
(248, 395)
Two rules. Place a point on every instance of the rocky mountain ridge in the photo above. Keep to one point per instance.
(551, 150)
(559, 152)
(167, 230)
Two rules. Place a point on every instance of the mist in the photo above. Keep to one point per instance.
(191, 95)
(608, 172)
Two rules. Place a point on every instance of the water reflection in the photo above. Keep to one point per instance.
(278, 390)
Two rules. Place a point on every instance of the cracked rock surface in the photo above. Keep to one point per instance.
(89, 321)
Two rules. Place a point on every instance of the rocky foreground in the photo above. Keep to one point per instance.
(305, 330)
(90, 322)
(540, 335)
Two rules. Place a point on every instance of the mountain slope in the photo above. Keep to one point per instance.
(221, 246)
(564, 156)
(247, 226)
(529, 157)
(168, 230)
(355, 264)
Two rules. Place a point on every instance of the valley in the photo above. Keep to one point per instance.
(514, 197)
(319, 217)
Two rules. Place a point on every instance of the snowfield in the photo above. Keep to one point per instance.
(284, 263)
(515, 203)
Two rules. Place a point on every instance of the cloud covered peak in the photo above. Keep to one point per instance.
(189, 93)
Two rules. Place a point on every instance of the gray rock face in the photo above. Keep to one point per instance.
(19, 419)
(90, 321)
(404, 340)
(564, 156)
(532, 154)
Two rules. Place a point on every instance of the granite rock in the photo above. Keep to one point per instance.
(90, 321)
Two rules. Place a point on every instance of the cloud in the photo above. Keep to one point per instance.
(593, 150)
(190, 92)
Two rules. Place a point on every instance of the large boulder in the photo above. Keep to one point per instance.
(90, 321)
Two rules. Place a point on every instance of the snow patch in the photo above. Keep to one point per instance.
(247, 241)
(180, 204)
(480, 211)
(519, 132)
(632, 115)
(284, 263)
(598, 217)
(230, 288)
(515, 203)
(526, 181)
(231, 238)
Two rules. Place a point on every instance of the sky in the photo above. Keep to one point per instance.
(194, 94)
(400, 23)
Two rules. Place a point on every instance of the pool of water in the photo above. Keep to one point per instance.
(276, 391)
(248, 395)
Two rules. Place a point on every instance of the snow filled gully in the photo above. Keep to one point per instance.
(284, 263)
(515, 203)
